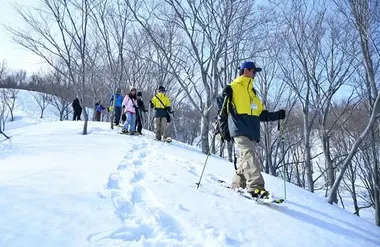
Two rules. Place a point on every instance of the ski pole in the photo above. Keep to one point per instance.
(209, 150)
(5, 135)
(204, 166)
(174, 127)
(281, 128)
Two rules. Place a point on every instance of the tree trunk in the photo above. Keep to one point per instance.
(205, 120)
(307, 156)
(213, 146)
(299, 183)
(333, 191)
(375, 176)
(85, 115)
(354, 199)
(329, 163)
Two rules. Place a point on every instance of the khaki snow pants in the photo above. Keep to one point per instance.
(248, 171)
(160, 127)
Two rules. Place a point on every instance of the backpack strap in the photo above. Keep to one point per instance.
(160, 101)
(162, 104)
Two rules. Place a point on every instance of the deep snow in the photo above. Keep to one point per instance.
(61, 188)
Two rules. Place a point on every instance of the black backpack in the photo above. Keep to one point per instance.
(221, 120)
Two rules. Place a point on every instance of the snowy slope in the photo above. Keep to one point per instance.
(60, 188)
(27, 111)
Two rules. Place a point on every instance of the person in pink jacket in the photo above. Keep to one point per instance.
(129, 108)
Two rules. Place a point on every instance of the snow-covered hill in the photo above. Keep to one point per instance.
(60, 188)
(28, 112)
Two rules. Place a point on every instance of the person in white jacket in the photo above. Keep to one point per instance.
(130, 108)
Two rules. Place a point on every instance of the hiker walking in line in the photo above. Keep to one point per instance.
(77, 108)
(98, 111)
(118, 97)
(139, 113)
(245, 112)
(161, 104)
(129, 108)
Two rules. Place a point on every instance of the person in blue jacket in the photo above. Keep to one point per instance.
(98, 111)
(118, 105)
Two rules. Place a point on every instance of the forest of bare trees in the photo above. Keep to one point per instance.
(320, 62)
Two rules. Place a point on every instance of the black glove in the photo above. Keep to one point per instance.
(123, 106)
(171, 112)
(227, 91)
(281, 114)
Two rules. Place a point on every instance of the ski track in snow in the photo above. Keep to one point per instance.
(144, 221)
(151, 218)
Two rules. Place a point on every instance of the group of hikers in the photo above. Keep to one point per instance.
(130, 108)
(244, 112)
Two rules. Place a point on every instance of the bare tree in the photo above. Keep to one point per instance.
(301, 44)
(58, 32)
(200, 39)
(62, 92)
(3, 111)
(338, 64)
(9, 98)
(365, 19)
(111, 19)
(43, 100)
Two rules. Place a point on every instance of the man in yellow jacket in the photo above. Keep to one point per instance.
(245, 113)
(161, 103)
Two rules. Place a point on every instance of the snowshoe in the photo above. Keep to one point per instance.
(260, 196)
(168, 139)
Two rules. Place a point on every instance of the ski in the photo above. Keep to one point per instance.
(245, 194)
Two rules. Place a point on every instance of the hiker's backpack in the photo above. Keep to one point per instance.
(221, 120)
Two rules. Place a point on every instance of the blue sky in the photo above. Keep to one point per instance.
(16, 56)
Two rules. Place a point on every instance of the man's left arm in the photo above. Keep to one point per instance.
(267, 116)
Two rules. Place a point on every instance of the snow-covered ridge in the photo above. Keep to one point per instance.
(60, 188)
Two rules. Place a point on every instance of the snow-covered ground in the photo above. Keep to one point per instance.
(61, 188)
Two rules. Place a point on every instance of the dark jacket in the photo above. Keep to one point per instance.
(76, 104)
(246, 110)
(141, 106)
